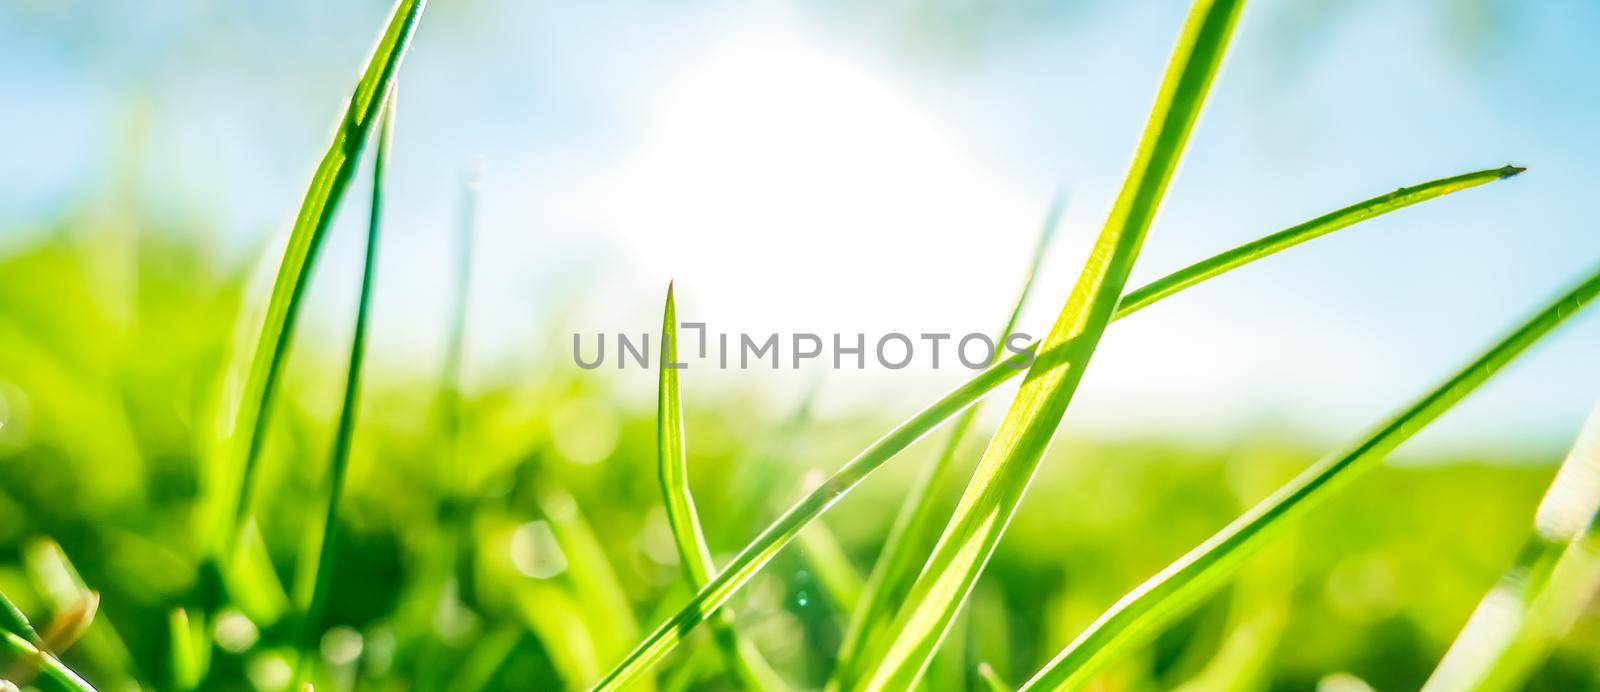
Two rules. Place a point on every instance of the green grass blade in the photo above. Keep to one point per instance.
(1009, 463)
(693, 552)
(556, 618)
(831, 565)
(339, 462)
(448, 406)
(1310, 230)
(184, 657)
(58, 580)
(1568, 592)
(23, 654)
(782, 530)
(915, 527)
(322, 197)
(671, 458)
(12, 620)
(1480, 652)
(991, 680)
(487, 657)
(252, 582)
(28, 665)
(1168, 594)
(603, 602)
(431, 583)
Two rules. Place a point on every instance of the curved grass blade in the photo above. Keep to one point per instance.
(344, 434)
(1311, 230)
(742, 658)
(327, 187)
(915, 526)
(1480, 652)
(1170, 592)
(1009, 463)
(782, 530)
(23, 663)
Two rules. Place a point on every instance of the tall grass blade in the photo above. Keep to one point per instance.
(741, 656)
(915, 527)
(782, 530)
(1480, 652)
(1008, 465)
(23, 663)
(1170, 592)
(344, 434)
(327, 187)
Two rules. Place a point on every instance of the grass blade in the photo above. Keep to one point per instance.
(184, 657)
(24, 655)
(23, 663)
(831, 564)
(991, 680)
(448, 406)
(1480, 652)
(1167, 595)
(59, 582)
(782, 530)
(1566, 597)
(1008, 465)
(603, 602)
(432, 582)
(915, 526)
(327, 187)
(339, 463)
(12, 620)
(742, 658)
(1310, 230)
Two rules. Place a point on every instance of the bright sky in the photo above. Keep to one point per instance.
(819, 168)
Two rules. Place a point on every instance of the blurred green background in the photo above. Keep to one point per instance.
(507, 532)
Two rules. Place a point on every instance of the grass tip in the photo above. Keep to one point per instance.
(1510, 170)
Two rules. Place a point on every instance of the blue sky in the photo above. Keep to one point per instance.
(831, 167)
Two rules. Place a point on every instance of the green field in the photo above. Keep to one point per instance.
(198, 493)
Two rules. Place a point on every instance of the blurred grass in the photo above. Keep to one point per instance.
(1377, 583)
